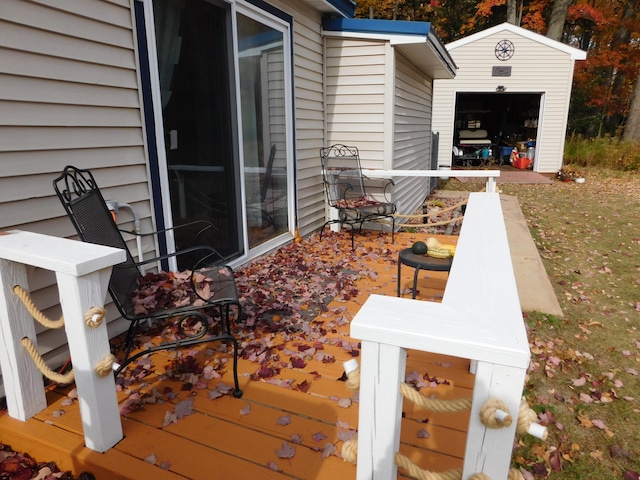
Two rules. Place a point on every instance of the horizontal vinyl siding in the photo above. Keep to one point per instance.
(412, 134)
(535, 68)
(68, 95)
(355, 96)
(309, 113)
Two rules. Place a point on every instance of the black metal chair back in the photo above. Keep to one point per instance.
(81, 198)
(94, 223)
(346, 190)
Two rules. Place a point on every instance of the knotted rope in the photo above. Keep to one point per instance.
(493, 414)
(350, 454)
(433, 214)
(24, 297)
(447, 406)
(93, 318)
(44, 369)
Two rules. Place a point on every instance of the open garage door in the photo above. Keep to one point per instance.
(489, 125)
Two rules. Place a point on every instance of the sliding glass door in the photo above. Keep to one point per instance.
(263, 112)
(224, 77)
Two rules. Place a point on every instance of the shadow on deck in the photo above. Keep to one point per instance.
(288, 425)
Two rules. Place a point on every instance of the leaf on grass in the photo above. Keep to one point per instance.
(579, 382)
(616, 451)
(287, 451)
(555, 462)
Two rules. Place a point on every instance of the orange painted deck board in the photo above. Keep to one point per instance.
(239, 438)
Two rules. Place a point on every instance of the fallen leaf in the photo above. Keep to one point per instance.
(287, 451)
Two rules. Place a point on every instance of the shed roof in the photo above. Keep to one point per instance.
(417, 40)
(576, 54)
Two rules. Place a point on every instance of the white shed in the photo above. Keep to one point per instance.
(512, 88)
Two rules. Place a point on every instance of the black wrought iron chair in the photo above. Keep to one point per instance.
(213, 287)
(345, 187)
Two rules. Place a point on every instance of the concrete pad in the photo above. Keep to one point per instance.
(534, 287)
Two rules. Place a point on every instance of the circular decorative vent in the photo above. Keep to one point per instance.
(504, 50)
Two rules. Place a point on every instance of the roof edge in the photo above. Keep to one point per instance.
(343, 7)
(377, 26)
(576, 53)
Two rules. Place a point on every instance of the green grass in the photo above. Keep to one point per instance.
(584, 378)
(608, 152)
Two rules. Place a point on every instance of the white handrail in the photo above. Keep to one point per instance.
(490, 175)
(82, 273)
(479, 319)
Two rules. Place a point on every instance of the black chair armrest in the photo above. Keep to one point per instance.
(205, 248)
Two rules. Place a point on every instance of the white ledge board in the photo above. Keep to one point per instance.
(72, 257)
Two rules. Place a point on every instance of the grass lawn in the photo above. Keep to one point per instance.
(583, 378)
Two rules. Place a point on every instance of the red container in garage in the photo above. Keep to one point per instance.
(522, 162)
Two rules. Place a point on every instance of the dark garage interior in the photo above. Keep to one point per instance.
(489, 125)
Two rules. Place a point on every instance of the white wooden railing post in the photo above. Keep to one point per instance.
(88, 346)
(378, 428)
(22, 379)
(479, 319)
(489, 450)
(82, 271)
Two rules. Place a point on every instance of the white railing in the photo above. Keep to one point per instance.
(479, 319)
(490, 175)
(82, 272)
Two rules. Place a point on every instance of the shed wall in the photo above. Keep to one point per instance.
(535, 68)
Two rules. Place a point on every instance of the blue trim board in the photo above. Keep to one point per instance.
(389, 27)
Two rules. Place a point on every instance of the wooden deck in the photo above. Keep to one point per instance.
(302, 413)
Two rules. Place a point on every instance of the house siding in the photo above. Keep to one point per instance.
(412, 134)
(536, 68)
(356, 96)
(69, 94)
(309, 113)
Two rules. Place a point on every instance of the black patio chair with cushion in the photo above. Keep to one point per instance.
(208, 290)
(345, 187)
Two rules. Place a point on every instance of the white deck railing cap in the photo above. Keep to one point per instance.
(57, 254)
(479, 317)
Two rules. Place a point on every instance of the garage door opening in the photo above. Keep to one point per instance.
(489, 125)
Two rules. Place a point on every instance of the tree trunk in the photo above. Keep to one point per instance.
(558, 17)
(632, 129)
(512, 11)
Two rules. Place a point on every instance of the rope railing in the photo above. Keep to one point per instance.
(93, 318)
(493, 414)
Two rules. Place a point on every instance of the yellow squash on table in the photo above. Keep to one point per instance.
(436, 249)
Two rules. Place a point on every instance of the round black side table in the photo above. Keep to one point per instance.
(420, 262)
